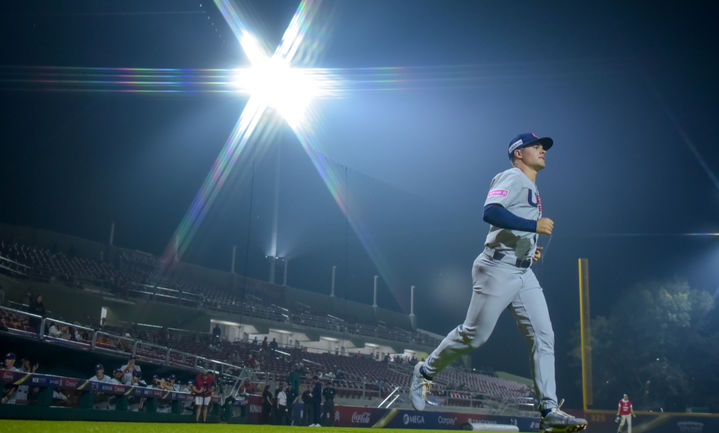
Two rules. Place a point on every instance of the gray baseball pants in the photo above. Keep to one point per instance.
(497, 285)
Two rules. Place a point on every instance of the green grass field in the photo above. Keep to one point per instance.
(143, 427)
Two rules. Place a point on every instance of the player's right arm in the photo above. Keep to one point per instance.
(499, 216)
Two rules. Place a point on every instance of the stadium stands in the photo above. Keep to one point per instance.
(135, 275)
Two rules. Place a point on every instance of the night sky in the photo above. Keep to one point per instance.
(627, 92)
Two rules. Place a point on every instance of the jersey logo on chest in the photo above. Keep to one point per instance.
(534, 202)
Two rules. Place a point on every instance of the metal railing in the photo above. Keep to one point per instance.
(58, 331)
(34, 326)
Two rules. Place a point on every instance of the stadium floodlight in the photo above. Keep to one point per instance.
(270, 79)
(275, 84)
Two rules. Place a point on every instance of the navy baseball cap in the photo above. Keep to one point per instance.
(528, 139)
(99, 367)
(10, 355)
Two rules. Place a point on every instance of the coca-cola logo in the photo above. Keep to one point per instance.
(360, 418)
(412, 419)
(444, 420)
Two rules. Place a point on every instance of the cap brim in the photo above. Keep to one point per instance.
(546, 143)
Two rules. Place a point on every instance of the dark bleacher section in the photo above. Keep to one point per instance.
(135, 275)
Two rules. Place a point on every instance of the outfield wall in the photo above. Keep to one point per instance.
(249, 411)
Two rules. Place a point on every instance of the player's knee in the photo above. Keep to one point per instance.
(544, 341)
(479, 340)
(472, 337)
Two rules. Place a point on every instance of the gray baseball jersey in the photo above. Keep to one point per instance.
(515, 192)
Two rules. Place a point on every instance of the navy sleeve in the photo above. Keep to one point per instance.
(499, 216)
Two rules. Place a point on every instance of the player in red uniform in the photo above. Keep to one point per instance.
(202, 388)
(626, 412)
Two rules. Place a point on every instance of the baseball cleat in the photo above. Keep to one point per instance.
(558, 421)
(419, 388)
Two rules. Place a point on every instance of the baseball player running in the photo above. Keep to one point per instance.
(502, 277)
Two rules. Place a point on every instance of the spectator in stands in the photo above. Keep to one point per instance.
(54, 331)
(316, 402)
(281, 409)
(37, 306)
(273, 345)
(187, 403)
(9, 397)
(328, 410)
(264, 345)
(10, 362)
(129, 370)
(74, 334)
(339, 374)
(252, 362)
(28, 367)
(100, 375)
(24, 392)
(65, 331)
(203, 388)
(137, 380)
(117, 376)
(171, 384)
(307, 407)
(186, 388)
(246, 387)
(157, 382)
(163, 405)
(216, 334)
(266, 405)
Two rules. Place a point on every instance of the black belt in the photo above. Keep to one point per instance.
(520, 263)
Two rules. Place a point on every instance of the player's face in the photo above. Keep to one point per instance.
(534, 156)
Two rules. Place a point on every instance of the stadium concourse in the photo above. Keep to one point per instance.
(105, 304)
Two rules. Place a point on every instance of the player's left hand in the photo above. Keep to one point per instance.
(537, 255)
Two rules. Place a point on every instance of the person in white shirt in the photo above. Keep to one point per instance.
(54, 331)
(100, 375)
(9, 397)
(281, 398)
(129, 370)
